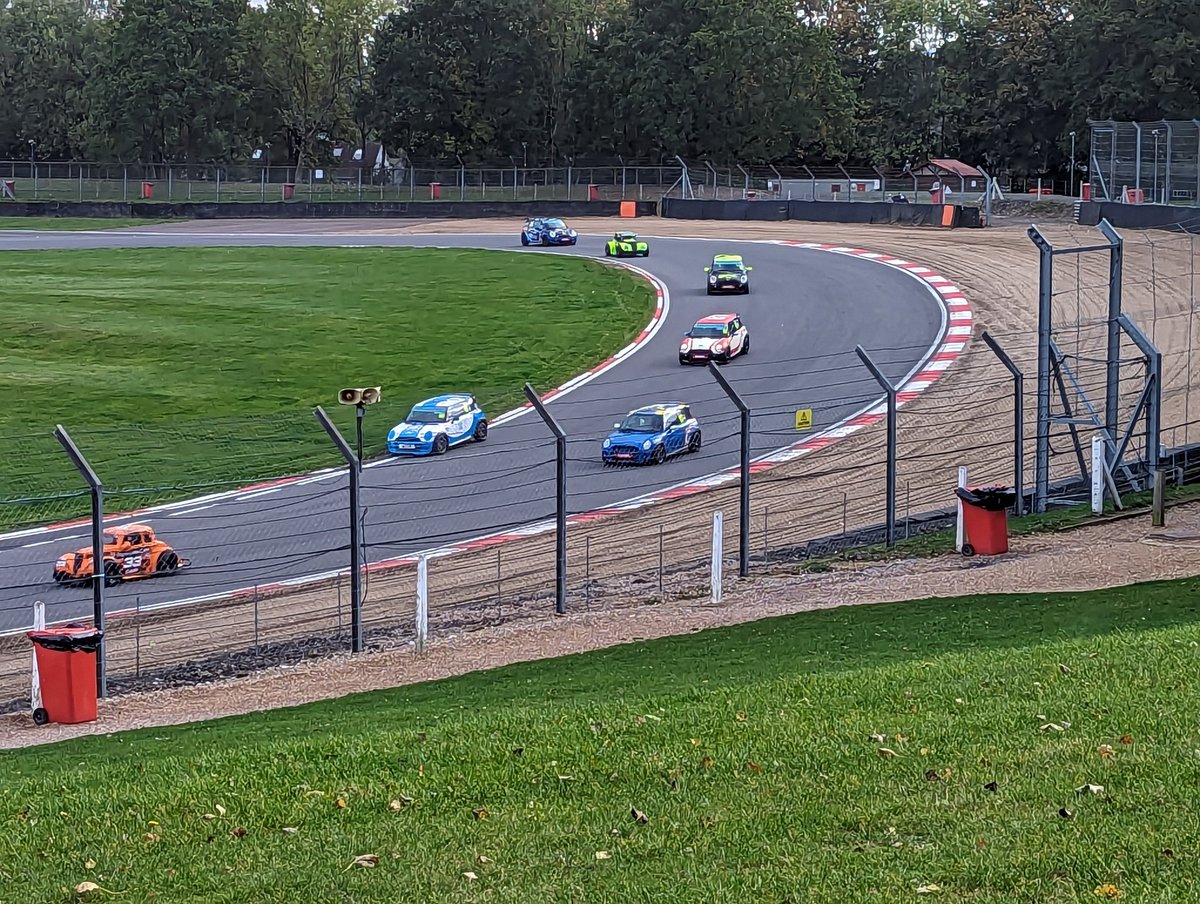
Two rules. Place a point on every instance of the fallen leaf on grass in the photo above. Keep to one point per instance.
(1089, 788)
(1065, 813)
(1105, 751)
(1108, 890)
(481, 859)
(931, 775)
(480, 813)
(741, 716)
(340, 803)
(695, 742)
(753, 766)
(707, 821)
(1052, 726)
(878, 738)
(89, 864)
(289, 830)
(470, 876)
(86, 888)
(422, 736)
(1063, 669)
(518, 751)
(930, 889)
(150, 838)
(638, 816)
(209, 816)
(364, 860)
(400, 802)
(220, 810)
(238, 832)
(706, 762)
(1126, 739)
(603, 855)
(886, 752)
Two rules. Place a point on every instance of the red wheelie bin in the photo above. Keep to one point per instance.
(985, 519)
(66, 661)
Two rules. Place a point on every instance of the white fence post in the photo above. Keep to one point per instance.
(718, 548)
(1098, 468)
(959, 536)
(39, 624)
(422, 602)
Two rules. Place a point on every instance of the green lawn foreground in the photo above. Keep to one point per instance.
(987, 749)
(69, 224)
(186, 368)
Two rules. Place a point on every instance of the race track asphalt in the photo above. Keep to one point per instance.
(806, 312)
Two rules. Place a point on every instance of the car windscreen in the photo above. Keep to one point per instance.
(710, 330)
(554, 224)
(727, 266)
(424, 416)
(642, 423)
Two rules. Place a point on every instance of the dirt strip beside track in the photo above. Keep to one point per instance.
(965, 418)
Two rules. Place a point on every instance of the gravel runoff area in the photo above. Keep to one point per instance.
(997, 268)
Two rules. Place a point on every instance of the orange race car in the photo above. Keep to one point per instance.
(130, 552)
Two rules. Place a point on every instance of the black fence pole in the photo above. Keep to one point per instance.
(1018, 419)
(356, 635)
(560, 552)
(97, 488)
(744, 503)
(890, 389)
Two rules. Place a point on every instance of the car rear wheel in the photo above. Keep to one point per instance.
(440, 444)
(480, 432)
(112, 574)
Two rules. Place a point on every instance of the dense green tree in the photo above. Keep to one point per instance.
(47, 53)
(170, 86)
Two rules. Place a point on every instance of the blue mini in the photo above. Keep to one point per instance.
(652, 434)
(436, 424)
(547, 231)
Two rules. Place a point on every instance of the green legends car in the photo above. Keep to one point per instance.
(728, 273)
(626, 244)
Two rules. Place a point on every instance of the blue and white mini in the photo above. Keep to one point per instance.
(651, 435)
(547, 231)
(436, 424)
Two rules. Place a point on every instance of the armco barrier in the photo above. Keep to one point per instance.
(1139, 216)
(937, 215)
(320, 209)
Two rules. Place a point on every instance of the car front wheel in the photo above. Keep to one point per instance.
(659, 456)
(693, 444)
(441, 444)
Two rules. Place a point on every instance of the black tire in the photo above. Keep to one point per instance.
(646, 253)
(658, 456)
(40, 716)
(440, 444)
(524, 239)
(968, 549)
(168, 563)
(694, 441)
(746, 346)
(683, 361)
(607, 251)
(112, 574)
(480, 434)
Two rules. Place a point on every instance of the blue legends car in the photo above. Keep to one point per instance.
(436, 424)
(547, 231)
(649, 435)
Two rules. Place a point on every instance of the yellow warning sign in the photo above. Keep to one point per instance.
(804, 419)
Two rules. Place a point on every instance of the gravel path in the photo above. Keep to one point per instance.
(1110, 554)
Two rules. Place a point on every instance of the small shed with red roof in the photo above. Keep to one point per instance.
(953, 174)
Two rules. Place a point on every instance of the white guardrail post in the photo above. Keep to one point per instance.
(39, 624)
(1098, 467)
(718, 550)
(959, 537)
(422, 602)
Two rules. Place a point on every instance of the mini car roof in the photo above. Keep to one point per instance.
(627, 235)
(657, 408)
(718, 318)
(727, 257)
(444, 401)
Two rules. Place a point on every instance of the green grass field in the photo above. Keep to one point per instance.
(859, 754)
(183, 368)
(68, 224)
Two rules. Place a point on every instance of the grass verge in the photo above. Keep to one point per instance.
(68, 224)
(987, 749)
(176, 369)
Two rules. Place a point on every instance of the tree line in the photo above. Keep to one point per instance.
(1000, 83)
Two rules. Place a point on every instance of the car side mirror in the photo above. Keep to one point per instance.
(749, 268)
(706, 269)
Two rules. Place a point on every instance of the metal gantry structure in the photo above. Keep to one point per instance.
(1057, 377)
